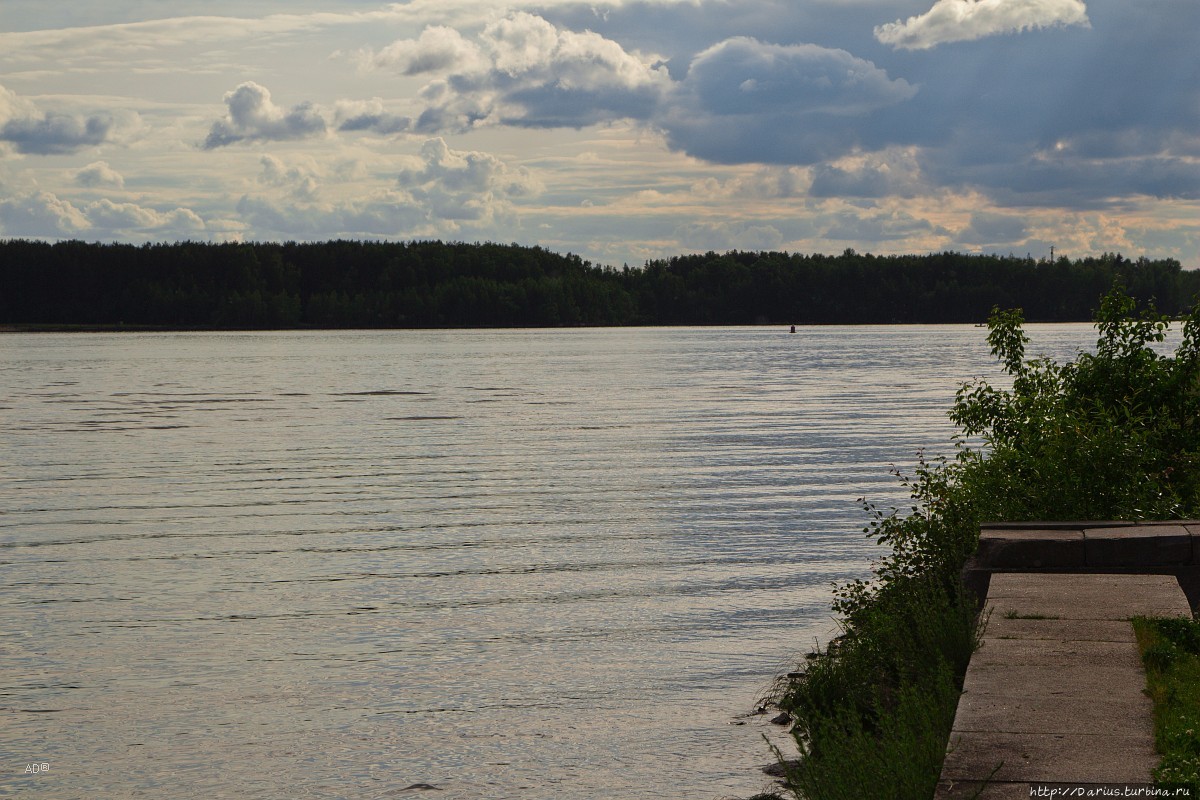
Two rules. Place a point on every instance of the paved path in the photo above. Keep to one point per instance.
(1055, 692)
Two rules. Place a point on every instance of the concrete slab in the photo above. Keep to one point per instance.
(1056, 653)
(1030, 549)
(1085, 596)
(1079, 630)
(1043, 713)
(1051, 680)
(1050, 758)
(1137, 546)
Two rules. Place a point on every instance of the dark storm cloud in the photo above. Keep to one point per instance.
(1027, 101)
(1073, 115)
(993, 229)
(745, 101)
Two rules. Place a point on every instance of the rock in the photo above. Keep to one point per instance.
(417, 787)
(780, 768)
(782, 719)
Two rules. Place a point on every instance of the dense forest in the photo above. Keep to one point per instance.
(357, 284)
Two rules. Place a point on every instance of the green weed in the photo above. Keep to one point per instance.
(1171, 655)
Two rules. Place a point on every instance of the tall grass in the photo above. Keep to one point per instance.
(1171, 653)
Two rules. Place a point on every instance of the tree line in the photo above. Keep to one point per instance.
(363, 284)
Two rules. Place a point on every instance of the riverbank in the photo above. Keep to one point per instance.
(1110, 435)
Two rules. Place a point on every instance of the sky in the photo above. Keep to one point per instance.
(617, 130)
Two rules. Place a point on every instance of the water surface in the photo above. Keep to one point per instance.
(508, 564)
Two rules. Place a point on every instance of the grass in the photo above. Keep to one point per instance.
(875, 711)
(1170, 651)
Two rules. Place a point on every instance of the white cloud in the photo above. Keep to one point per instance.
(524, 71)
(381, 214)
(438, 49)
(966, 20)
(444, 190)
(464, 185)
(253, 116)
(41, 214)
(130, 217)
(45, 214)
(300, 180)
(99, 174)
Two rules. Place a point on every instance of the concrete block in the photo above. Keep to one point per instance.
(1085, 596)
(1050, 681)
(1194, 533)
(1137, 546)
(1047, 713)
(1050, 757)
(1030, 549)
(1062, 654)
(1080, 630)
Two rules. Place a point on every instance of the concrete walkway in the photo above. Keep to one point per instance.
(1055, 693)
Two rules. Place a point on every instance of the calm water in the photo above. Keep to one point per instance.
(518, 564)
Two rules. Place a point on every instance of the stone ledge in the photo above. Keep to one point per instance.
(1091, 546)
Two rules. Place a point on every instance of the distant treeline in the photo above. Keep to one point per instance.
(356, 284)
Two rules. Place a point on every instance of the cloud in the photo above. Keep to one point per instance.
(128, 218)
(721, 236)
(56, 134)
(369, 115)
(99, 174)
(464, 185)
(41, 214)
(45, 214)
(966, 20)
(301, 181)
(876, 225)
(893, 173)
(382, 214)
(444, 190)
(438, 49)
(993, 229)
(744, 101)
(34, 132)
(525, 72)
(253, 117)
(745, 76)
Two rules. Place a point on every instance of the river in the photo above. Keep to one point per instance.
(506, 564)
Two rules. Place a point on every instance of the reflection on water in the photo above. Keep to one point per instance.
(508, 564)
